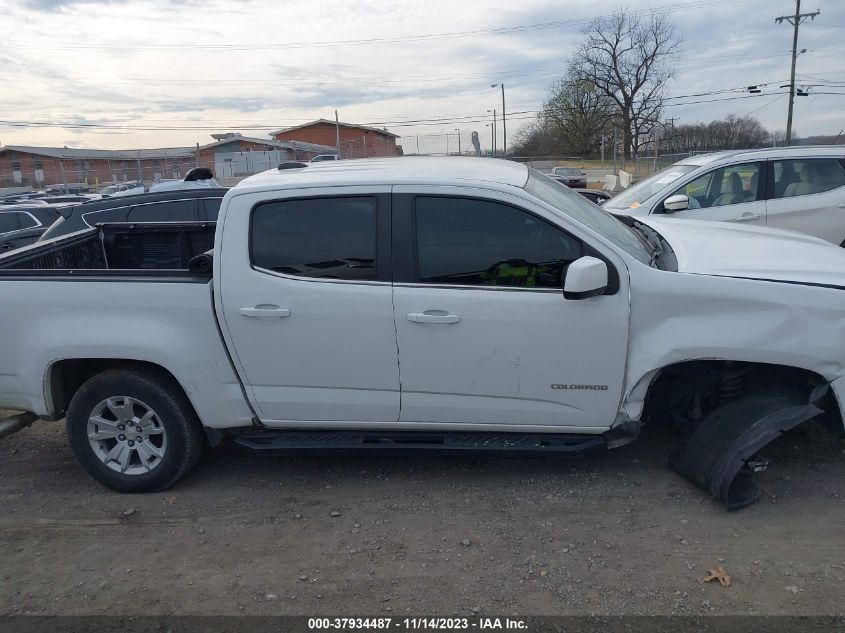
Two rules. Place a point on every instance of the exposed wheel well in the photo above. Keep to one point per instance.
(684, 392)
(67, 376)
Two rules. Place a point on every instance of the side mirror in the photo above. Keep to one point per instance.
(586, 277)
(679, 202)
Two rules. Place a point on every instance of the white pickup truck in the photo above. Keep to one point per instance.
(453, 303)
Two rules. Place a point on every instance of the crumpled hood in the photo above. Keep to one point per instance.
(734, 250)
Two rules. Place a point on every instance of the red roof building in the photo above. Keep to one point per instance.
(356, 141)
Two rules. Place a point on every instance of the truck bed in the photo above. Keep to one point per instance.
(166, 247)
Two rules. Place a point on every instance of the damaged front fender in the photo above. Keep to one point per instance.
(715, 455)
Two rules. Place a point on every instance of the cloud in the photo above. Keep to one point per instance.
(57, 5)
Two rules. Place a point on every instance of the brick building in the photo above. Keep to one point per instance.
(231, 155)
(356, 141)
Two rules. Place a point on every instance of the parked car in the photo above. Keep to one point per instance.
(796, 188)
(199, 205)
(121, 187)
(319, 158)
(506, 312)
(570, 176)
(24, 224)
(70, 199)
(596, 196)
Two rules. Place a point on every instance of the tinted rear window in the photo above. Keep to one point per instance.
(212, 208)
(329, 238)
(170, 211)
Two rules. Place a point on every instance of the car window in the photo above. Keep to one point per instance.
(9, 222)
(327, 238)
(733, 184)
(169, 211)
(212, 208)
(639, 192)
(484, 243)
(802, 177)
(26, 221)
(573, 205)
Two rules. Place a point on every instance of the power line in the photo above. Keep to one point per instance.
(766, 105)
(668, 8)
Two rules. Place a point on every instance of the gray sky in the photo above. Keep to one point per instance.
(255, 66)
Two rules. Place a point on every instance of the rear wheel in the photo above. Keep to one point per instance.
(134, 431)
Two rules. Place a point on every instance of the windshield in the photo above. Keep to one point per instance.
(566, 171)
(577, 206)
(636, 194)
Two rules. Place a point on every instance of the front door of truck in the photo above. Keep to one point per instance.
(485, 334)
(306, 301)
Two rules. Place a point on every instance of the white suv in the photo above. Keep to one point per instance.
(796, 188)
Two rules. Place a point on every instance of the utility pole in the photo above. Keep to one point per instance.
(796, 21)
(654, 140)
(494, 131)
(504, 122)
(671, 134)
(458, 131)
(614, 152)
(337, 134)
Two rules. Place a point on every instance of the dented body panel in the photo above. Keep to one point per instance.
(737, 305)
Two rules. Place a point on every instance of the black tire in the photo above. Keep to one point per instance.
(173, 412)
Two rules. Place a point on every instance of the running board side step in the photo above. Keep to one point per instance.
(293, 441)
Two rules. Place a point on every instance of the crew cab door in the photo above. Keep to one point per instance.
(304, 292)
(731, 193)
(808, 195)
(486, 338)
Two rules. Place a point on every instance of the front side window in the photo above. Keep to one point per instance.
(803, 177)
(475, 242)
(733, 184)
(581, 210)
(326, 238)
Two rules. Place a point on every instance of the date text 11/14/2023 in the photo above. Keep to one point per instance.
(416, 624)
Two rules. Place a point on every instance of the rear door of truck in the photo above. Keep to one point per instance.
(304, 291)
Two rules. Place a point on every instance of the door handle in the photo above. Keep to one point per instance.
(265, 311)
(433, 316)
(748, 217)
(841, 205)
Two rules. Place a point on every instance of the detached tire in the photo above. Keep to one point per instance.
(133, 430)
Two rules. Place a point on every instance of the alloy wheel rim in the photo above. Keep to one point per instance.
(127, 435)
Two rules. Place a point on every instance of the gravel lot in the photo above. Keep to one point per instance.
(615, 533)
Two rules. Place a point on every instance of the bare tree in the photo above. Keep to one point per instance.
(578, 114)
(627, 57)
(535, 139)
(732, 132)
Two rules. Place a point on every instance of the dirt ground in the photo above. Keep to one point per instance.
(614, 533)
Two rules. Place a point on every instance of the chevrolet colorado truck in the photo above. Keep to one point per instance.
(422, 303)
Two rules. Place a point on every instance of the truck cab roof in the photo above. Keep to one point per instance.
(390, 171)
